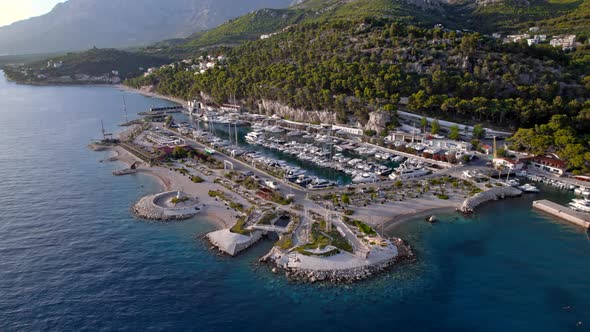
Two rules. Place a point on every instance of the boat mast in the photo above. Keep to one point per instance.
(125, 110)
(104, 136)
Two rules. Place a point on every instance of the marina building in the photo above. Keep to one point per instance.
(449, 145)
(511, 164)
(348, 130)
(548, 164)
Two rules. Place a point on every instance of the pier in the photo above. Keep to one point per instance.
(167, 108)
(563, 212)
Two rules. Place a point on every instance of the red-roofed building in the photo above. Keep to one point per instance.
(548, 164)
(512, 164)
(487, 149)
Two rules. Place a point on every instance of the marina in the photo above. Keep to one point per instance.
(303, 156)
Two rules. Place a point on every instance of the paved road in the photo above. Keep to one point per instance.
(287, 188)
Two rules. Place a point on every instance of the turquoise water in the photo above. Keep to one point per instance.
(73, 257)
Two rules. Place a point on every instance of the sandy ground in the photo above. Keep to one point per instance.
(391, 214)
(214, 209)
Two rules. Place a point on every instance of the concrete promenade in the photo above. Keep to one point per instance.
(563, 212)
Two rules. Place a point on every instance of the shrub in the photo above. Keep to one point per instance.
(366, 229)
(197, 179)
(176, 200)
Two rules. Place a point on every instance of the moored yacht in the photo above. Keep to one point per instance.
(529, 188)
(403, 173)
(365, 178)
(580, 204)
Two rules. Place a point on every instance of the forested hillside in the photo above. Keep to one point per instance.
(353, 67)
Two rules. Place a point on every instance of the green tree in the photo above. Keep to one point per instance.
(435, 127)
(179, 152)
(423, 124)
(454, 133)
(479, 132)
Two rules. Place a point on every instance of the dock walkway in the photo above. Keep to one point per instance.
(563, 212)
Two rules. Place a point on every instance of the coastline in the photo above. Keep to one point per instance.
(150, 94)
(213, 210)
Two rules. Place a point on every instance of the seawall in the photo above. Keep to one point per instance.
(471, 203)
(563, 212)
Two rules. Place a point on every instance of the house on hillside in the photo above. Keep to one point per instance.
(565, 42)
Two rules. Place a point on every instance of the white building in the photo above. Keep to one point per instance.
(516, 38)
(447, 144)
(348, 130)
(230, 108)
(507, 163)
(565, 42)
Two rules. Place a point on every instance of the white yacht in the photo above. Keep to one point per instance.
(580, 204)
(513, 183)
(320, 184)
(408, 173)
(365, 178)
(398, 159)
(295, 133)
(294, 172)
(529, 188)
(253, 136)
(274, 129)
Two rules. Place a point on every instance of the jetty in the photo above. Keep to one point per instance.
(495, 193)
(563, 212)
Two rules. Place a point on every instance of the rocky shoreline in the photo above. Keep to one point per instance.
(470, 204)
(342, 276)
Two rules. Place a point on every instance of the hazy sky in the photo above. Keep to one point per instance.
(15, 10)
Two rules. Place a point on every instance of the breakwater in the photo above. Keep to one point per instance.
(343, 275)
(563, 212)
(158, 207)
(496, 193)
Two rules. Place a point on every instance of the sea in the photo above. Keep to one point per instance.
(73, 257)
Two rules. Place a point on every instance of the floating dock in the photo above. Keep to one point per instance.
(563, 212)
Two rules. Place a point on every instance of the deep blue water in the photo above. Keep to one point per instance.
(73, 257)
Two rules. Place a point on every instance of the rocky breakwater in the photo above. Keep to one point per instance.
(170, 205)
(495, 193)
(343, 268)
